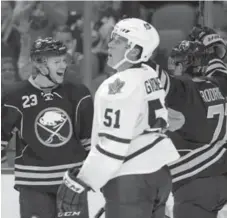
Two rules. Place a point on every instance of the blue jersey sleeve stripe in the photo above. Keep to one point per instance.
(109, 154)
(115, 138)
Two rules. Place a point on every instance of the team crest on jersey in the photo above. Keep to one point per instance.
(53, 127)
(116, 86)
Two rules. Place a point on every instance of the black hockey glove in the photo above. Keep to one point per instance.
(72, 196)
(210, 39)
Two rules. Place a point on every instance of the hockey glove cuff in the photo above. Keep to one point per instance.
(72, 195)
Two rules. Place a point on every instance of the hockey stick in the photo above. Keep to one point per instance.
(100, 212)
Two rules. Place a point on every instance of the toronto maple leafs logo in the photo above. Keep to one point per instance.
(116, 87)
(53, 127)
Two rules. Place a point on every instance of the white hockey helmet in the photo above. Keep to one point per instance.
(137, 32)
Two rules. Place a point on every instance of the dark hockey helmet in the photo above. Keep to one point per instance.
(198, 32)
(213, 42)
(189, 54)
(43, 48)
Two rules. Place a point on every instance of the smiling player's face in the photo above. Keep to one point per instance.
(57, 66)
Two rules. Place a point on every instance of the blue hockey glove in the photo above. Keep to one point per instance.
(72, 196)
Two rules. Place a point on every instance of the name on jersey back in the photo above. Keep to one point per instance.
(211, 94)
(152, 85)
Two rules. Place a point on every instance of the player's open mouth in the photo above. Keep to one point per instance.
(60, 73)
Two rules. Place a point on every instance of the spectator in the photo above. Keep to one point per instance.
(24, 64)
(105, 25)
(76, 69)
(43, 15)
(64, 34)
(108, 20)
(10, 40)
(75, 23)
(8, 72)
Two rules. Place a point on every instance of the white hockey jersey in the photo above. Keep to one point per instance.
(129, 115)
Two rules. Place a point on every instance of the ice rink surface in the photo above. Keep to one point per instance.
(10, 202)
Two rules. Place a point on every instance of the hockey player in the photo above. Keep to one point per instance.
(198, 124)
(129, 152)
(54, 122)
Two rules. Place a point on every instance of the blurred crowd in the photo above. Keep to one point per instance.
(25, 21)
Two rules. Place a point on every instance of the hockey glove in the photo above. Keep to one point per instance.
(72, 196)
(210, 39)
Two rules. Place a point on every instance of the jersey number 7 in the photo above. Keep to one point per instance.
(221, 111)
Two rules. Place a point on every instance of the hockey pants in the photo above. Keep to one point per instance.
(138, 196)
(201, 198)
(36, 204)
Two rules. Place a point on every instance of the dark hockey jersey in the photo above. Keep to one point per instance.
(55, 131)
(198, 122)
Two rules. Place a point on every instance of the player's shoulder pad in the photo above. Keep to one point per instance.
(13, 92)
(151, 69)
(151, 64)
(79, 89)
(122, 84)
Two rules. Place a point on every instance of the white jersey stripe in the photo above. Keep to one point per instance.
(85, 141)
(38, 168)
(187, 175)
(44, 183)
(196, 161)
(39, 175)
(187, 156)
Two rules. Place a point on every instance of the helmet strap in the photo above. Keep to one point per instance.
(49, 77)
(125, 59)
(43, 83)
(44, 70)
